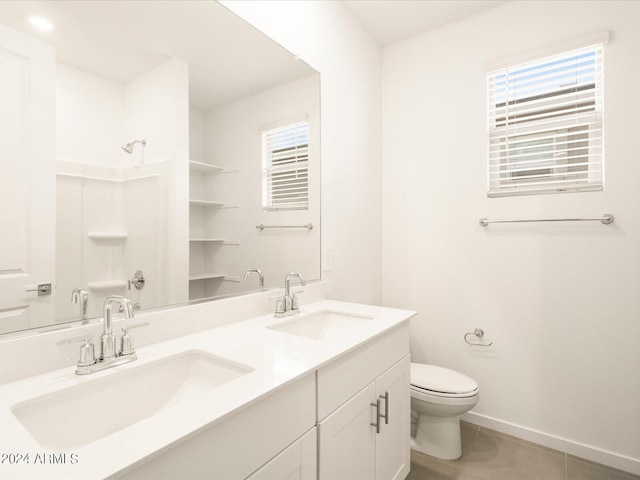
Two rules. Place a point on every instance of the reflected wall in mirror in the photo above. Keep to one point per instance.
(146, 141)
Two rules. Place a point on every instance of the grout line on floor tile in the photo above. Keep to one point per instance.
(601, 466)
(521, 441)
(473, 440)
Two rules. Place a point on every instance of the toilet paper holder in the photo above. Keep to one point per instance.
(478, 332)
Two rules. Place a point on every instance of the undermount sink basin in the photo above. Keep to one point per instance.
(77, 416)
(323, 324)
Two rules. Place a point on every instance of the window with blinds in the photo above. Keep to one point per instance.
(545, 125)
(285, 167)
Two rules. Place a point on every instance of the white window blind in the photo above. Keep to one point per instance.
(545, 125)
(285, 167)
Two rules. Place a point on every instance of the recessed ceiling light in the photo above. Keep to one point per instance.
(41, 24)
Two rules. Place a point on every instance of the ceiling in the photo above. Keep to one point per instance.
(227, 58)
(119, 40)
(390, 21)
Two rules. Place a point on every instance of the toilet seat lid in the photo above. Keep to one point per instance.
(439, 379)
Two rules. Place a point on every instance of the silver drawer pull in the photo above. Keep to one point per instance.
(377, 423)
(386, 407)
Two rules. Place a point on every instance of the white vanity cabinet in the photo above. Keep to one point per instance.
(296, 462)
(349, 445)
(319, 427)
(392, 444)
(237, 447)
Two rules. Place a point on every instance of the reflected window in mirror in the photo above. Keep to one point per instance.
(285, 167)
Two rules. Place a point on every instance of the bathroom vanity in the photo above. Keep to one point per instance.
(320, 394)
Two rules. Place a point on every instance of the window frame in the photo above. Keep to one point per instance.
(573, 164)
(285, 169)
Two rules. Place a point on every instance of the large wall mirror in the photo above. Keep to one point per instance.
(153, 149)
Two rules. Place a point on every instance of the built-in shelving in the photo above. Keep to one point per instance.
(205, 167)
(215, 241)
(205, 276)
(207, 240)
(202, 167)
(107, 236)
(205, 245)
(205, 203)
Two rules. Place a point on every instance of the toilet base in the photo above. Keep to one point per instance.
(438, 437)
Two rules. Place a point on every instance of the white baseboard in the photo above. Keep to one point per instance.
(614, 460)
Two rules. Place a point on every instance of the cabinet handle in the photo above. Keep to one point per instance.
(386, 408)
(377, 424)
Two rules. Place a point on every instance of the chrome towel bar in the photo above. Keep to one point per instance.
(308, 226)
(607, 219)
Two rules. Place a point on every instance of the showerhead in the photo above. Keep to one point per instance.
(128, 147)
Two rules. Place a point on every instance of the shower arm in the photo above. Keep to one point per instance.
(128, 147)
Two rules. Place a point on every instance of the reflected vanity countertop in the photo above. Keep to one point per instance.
(276, 351)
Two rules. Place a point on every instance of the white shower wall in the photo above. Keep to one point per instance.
(158, 110)
(103, 191)
(560, 301)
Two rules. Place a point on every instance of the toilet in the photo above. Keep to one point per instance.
(439, 397)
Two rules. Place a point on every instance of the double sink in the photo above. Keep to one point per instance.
(76, 416)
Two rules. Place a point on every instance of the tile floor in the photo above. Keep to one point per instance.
(489, 455)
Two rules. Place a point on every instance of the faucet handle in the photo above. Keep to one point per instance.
(134, 308)
(126, 342)
(138, 281)
(280, 303)
(87, 350)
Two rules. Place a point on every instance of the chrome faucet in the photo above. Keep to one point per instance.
(109, 356)
(108, 339)
(257, 272)
(81, 296)
(288, 304)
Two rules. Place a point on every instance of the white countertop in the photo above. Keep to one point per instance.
(277, 359)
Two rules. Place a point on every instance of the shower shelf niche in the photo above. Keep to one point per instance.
(107, 285)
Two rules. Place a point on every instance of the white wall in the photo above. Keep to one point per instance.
(559, 301)
(157, 109)
(324, 35)
(233, 140)
(89, 118)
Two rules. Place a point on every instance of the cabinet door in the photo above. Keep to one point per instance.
(239, 446)
(392, 444)
(296, 462)
(347, 439)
